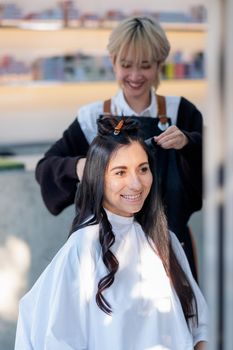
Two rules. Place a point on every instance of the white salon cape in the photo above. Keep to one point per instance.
(60, 311)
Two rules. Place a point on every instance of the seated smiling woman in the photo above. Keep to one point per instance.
(122, 280)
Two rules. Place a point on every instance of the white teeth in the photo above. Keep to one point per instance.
(135, 85)
(132, 197)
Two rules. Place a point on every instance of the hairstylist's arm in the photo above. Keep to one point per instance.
(56, 171)
(80, 167)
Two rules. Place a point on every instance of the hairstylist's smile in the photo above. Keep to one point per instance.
(135, 85)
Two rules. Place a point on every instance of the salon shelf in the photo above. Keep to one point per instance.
(10, 164)
(92, 25)
(31, 44)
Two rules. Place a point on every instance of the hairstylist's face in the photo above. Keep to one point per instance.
(135, 79)
(128, 180)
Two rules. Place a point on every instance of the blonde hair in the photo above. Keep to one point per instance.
(142, 36)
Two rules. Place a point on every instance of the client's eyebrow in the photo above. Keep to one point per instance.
(118, 167)
(125, 167)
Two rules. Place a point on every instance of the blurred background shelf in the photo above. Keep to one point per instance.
(92, 24)
(90, 40)
(10, 164)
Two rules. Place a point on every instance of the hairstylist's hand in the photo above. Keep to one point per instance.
(80, 167)
(202, 345)
(173, 137)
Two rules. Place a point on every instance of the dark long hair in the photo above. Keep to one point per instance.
(89, 207)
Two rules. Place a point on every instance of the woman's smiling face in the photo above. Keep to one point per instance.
(136, 78)
(128, 180)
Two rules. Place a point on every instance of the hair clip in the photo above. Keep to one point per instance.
(163, 123)
(163, 119)
(118, 127)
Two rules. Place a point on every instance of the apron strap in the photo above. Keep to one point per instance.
(161, 102)
(162, 114)
(107, 107)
